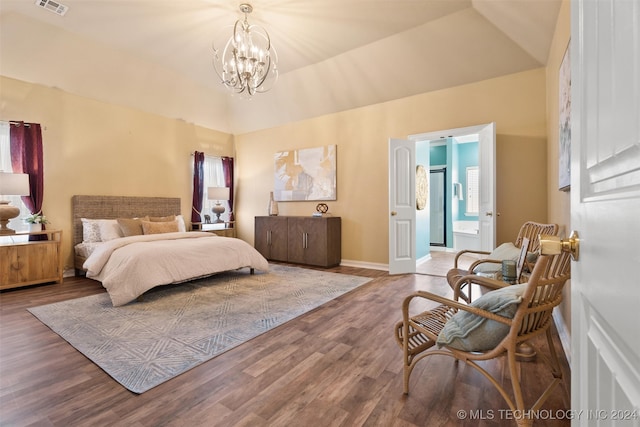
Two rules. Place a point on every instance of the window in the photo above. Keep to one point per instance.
(17, 223)
(213, 177)
(473, 190)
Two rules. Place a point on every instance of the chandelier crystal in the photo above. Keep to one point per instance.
(247, 64)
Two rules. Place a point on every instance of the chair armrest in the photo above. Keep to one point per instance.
(466, 251)
(478, 280)
(483, 261)
(450, 303)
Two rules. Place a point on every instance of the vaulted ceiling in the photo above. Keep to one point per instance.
(334, 55)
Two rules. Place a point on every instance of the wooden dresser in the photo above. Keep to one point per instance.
(300, 239)
(24, 263)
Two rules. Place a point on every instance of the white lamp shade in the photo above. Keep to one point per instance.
(14, 184)
(218, 193)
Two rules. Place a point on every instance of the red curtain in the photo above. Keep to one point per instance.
(198, 189)
(227, 170)
(26, 157)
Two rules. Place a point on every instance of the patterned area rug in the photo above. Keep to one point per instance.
(176, 328)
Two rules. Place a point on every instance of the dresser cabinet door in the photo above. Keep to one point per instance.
(307, 241)
(271, 237)
(314, 241)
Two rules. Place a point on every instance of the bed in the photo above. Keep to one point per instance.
(128, 261)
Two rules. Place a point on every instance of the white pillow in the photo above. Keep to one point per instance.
(90, 230)
(85, 249)
(501, 253)
(181, 225)
(109, 230)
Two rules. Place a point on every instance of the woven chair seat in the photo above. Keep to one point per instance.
(424, 328)
(432, 322)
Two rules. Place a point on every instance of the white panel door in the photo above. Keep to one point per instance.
(605, 205)
(402, 206)
(487, 169)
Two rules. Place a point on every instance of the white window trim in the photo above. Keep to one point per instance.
(473, 190)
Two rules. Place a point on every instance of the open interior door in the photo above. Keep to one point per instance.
(605, 204)
(402, 206)
(487, 170)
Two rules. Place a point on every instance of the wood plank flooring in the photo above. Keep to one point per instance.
(337, 365)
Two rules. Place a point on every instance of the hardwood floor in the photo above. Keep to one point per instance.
(337, 365)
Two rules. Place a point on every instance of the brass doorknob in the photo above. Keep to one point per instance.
(394, 213)
(553, 245)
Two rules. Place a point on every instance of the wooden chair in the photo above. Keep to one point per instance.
(530, 230)
(417, 334)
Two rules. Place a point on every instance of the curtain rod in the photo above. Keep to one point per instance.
(209, 155)
(11, 122)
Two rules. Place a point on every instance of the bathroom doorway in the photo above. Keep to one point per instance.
(451, 158)
(407, 263)
(452, 149)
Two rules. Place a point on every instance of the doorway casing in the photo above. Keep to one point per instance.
(402, 240)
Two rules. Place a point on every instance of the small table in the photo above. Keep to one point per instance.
(220, 229)
(25, 262)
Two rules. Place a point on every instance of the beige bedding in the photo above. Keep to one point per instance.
(130, 266)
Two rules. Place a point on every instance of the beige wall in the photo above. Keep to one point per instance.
(91, 147)
(515, 102)
(558, 201)
(96, 148)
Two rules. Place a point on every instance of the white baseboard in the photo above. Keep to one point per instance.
(423, 259)
(563, 333)
(442, 249)
(362, 264)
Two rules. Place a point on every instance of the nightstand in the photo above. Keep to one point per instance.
(219, 229)
(24, 262)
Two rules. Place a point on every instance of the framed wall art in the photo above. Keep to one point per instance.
(564, 131)
(305, 174)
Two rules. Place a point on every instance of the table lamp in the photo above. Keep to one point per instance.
(218, 194)
(11, 184)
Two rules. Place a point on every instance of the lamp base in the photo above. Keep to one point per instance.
(218, 209)
(7, 212)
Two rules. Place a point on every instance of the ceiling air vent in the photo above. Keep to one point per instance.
(53, 6)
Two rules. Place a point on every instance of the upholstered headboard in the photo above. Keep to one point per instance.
(111, 207)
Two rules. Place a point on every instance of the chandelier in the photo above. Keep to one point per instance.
(247, 64)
